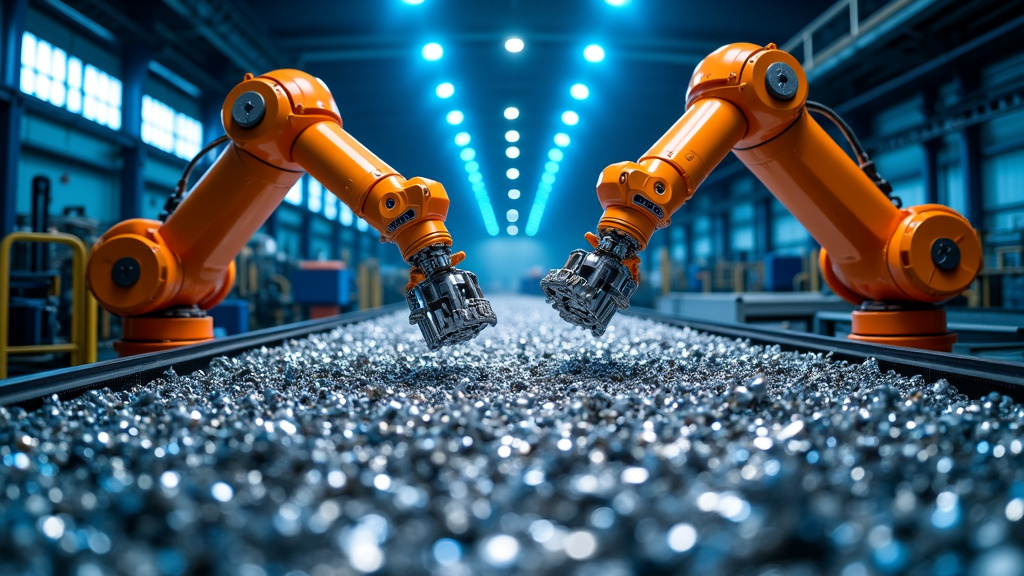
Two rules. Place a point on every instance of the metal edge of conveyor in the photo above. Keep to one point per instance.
(971, 375)
(121, 373)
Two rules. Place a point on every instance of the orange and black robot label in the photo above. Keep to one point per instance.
(397, 223)
(650, 206)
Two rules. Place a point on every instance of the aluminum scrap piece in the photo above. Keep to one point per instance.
(533, 449)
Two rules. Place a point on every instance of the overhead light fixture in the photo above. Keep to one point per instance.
(512, 230)
(476, 177)
(413, 2)
(455, 117)
(467, 154)
(512, 173)
(561, 139)
(512, 152)
(432, 51)
(548, 178)
(617, 2)
(511, 112)
(512, 215)
(556, 155)
(472, 166)
(551, 167)
(593, 53)
(478, 187)
(514, 45)
(578, 91)
(446, 89)
(513, 194)
(512, 136)
(570, 118)
(462, 138)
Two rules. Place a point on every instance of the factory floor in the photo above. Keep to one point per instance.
(534, 449)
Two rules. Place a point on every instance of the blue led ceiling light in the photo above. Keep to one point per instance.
(514, 45)
(472, 166)
(462, 138)
(413, 2)
(556, 155)
(467, 154)
(551, 167)
(512, 230)
(432, 51)
(486, 210)
(514, 194)
(478, 186)
(445, 90)
(511, 113)
(593, 53)
(570, 118)
(476, 177)
(548, 178)
(455, 117)
(617, 2)
(562, 139)
(579, 91)
(512, 173)
(512, 152)
(537, 211)
(512, 215)
(512, 136)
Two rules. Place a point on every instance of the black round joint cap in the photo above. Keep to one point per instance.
(125, 272)
(945, 253)
(781, 81)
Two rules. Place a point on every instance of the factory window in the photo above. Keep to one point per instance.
(330, 205)
(315, 196)
(50, 74)
(169, 130)
(741, 227)
(294, 195)
(702, 244)
(678, 243)
(1002, 180)
(788, 235)
(347, 217)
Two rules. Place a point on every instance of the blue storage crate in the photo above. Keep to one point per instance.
(232, 316)
(322, 287)
(779, 272)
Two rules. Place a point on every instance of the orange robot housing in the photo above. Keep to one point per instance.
(161, 275)
(896, 263)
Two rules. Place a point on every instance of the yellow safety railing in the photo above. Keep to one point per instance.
(83, 306)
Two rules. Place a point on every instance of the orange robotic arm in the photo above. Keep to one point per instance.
(162, 276)
(895, 263)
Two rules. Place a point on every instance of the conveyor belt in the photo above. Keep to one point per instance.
(124, 373)
(973, 376)
(533, 449)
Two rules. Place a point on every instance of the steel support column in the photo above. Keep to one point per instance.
(11, 111)
(135, 66)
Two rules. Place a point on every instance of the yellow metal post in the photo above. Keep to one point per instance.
(82, 347)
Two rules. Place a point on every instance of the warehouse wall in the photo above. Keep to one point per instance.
(85, 161)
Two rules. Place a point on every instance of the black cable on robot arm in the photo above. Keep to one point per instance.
(179, 190)
(858, 149)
